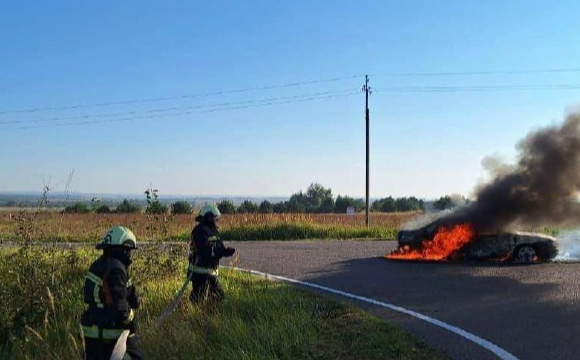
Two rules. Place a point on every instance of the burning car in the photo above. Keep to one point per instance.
(441, 242)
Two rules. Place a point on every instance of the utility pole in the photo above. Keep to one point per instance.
(366, 89)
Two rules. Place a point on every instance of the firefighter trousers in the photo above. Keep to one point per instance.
(205, 286)
(101, 349)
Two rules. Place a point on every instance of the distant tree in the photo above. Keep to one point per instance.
(103, 209)
(11, 203)
(77, 208)
(127, 207)
(319, 199)
(297, 203)
(343, 202)
(180, 207)
(326, 207)
(226, 207)
(375, 205)
(248, 207)
(409, 204)
(444, 202)
(387, 204)
(402, 204)
(280, 207)
(266, 207)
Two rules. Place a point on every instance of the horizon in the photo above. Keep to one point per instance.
(163, 196)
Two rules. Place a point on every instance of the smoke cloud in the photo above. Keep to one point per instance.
(541, 188)
(568, 246)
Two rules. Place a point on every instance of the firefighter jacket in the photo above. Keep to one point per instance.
(110, 298)
(206, 250)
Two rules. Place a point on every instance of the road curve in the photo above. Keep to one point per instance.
(530, 311)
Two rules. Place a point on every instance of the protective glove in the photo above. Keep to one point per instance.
(132, 326)
(133, 298)
(229, 251)
(131, 323)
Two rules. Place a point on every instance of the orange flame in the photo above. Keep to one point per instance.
(446, 241)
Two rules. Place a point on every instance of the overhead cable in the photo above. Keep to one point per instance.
(160, 110)
(468, 88)
(469, 73)
(178, 97)
(130, 118)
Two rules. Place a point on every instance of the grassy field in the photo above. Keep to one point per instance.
(41, 303)
(53, 226)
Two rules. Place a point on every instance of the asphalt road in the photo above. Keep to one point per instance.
(531, 311)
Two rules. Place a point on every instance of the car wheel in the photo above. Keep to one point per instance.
(525, 254)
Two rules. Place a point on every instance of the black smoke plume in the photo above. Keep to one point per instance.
(541, 188)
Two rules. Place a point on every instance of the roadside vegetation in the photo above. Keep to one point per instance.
(312, 214)
(41, 304)
(51, 226)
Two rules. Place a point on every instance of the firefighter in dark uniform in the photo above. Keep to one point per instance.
(111, 298)
(206, 250)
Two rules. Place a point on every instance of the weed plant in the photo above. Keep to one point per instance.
(41, 301)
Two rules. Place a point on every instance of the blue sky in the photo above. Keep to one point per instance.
(61, 54)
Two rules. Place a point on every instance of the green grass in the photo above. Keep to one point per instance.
(41, 302)
(279, 231)
(299, 231)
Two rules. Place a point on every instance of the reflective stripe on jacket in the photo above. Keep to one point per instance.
(202, 270)
(95, 332)
(107, 289)
(208, 249)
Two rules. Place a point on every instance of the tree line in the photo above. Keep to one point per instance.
(316, 199)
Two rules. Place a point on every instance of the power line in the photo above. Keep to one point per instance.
(474, 88)
(185, 113)
(293, 84)
(177, 97)
(468, 73)
(466, 88)
(215, 105)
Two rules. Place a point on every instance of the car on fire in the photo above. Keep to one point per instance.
(518, 246)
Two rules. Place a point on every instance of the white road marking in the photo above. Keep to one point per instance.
(499, 352)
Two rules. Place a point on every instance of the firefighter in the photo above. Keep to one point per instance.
(111, 298)
(206, 250)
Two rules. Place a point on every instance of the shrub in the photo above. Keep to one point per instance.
(266, 207)
(226, 207)
(343, 202)
(127, 207)
(280, 207)
(248, 207)
(180, 207)
(103, 209)
(156, 208)
(77, 208)
(443, 203)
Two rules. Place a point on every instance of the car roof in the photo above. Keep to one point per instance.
(520, 233)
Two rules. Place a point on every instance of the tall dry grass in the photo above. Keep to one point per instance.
(90, 227)
(41, 302)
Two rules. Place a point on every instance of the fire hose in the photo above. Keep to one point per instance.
(121, 344)
(176, 300)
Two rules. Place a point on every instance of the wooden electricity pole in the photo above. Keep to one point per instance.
(366, 89)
